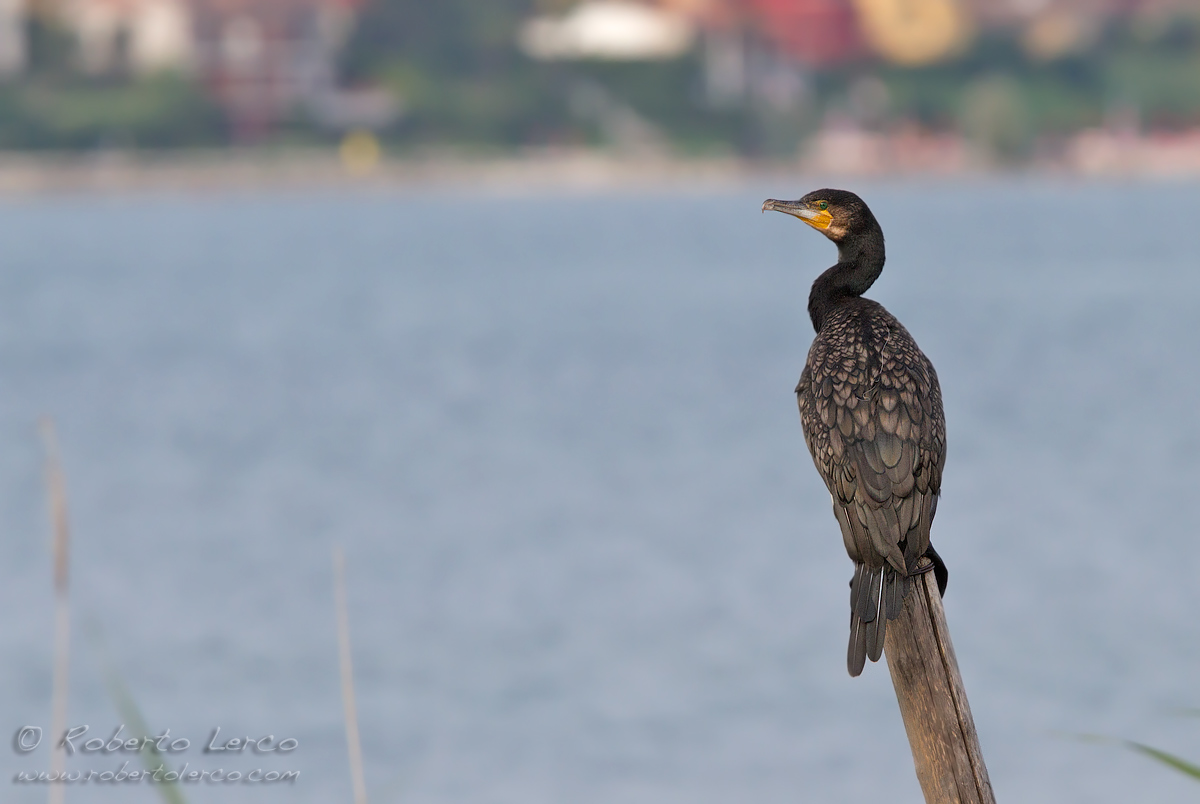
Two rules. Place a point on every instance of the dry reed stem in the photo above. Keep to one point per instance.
(347, 668)
(57, 494)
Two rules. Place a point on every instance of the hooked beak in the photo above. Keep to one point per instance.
(816, 218)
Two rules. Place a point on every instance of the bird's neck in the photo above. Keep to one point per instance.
(860, 262)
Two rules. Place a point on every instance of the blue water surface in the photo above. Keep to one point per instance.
(589, 559)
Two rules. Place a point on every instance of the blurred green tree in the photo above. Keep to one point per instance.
(455, 67)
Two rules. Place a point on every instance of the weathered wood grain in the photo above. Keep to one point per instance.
(933, 701)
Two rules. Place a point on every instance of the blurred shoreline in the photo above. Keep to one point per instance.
(248, 170)
(849, 154)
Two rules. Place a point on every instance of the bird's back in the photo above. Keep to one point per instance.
(872, 415)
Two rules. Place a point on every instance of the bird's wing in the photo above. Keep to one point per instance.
(873, 422)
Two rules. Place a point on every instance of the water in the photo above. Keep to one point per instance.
(589, 558)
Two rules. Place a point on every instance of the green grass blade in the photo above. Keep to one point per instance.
(128, 709)
(1170, 760)
(151, 759)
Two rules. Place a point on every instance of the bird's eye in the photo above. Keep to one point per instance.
(822, 205)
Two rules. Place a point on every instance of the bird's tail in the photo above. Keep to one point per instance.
(876, 596)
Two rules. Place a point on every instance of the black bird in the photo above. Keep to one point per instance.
(872, 415)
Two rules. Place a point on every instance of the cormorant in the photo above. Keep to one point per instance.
(872, 415)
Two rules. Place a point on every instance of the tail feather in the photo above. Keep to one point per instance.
(876, 596)
(862, 601)
(856, 653)
(876, 631)
(897, 590)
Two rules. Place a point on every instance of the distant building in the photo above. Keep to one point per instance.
(814, 32)
(763, 50)
(142, 36)
(615, 30)
(263, 60)
(12, 37)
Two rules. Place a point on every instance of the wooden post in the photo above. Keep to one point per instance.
(933, 701)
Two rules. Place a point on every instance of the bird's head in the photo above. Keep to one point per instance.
(837, 214)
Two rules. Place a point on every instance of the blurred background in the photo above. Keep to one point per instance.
(481, 292)
(864, 85)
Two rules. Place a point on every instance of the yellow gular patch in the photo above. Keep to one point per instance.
(822, 220)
